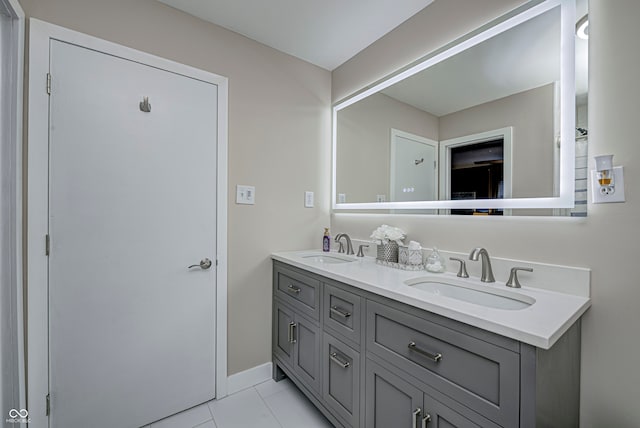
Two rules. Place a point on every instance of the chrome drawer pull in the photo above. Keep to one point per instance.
(292, 326)
(334, 357)
(434, 357)
(416, 416)
(294, 289)
(339, 311)
(426, 420)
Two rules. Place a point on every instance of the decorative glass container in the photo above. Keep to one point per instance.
(388, 252)
(435, 262)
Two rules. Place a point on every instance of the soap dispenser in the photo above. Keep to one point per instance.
(326, 241)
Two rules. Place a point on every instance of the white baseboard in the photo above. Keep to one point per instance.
(248, 378)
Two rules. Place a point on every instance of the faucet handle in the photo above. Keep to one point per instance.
(513, 276)
(462, 272)
(360, 252)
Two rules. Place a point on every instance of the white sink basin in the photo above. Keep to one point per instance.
(327, 258)
(488, 297)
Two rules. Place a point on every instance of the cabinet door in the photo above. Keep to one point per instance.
(341, 379)
(306, 355)
(437, 415)
(283, 329)
(390, 400)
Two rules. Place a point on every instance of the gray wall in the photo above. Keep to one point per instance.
(532, 135)
(610, 347)
(279, 139)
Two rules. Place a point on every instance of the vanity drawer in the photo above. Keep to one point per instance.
(342, 312)
(478, 374)
(300, 291)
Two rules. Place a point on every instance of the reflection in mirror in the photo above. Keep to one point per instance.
(484, 123)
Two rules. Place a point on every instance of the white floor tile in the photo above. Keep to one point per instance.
(271, 387)
(209, 424)
(187, 419)
(244, 409)
(294, 410)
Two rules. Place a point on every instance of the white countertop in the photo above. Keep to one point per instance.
(540, 324)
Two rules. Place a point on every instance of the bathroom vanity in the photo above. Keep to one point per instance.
(371, 351)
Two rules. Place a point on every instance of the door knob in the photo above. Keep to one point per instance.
(204, 264)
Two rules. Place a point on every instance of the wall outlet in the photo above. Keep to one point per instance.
(342, 198)
(381, 198)
(308, 199)
(245, 195)
(607, 194)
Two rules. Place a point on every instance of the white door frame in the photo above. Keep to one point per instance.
(11, 217)
(37, 212)
(445, 160)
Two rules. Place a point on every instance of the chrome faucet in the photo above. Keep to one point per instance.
(349, 244)
(487, 272)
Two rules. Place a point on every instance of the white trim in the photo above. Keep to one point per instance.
(248, 378)
(392, 166)
(37, 222)
(566, 196)
(15, 87)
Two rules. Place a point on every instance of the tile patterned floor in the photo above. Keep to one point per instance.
(268, 405)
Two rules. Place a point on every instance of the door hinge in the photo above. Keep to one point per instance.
(48, 83)
(48, 405)
(47, 244)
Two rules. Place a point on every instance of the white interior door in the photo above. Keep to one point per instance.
(414, 167)
(132, 203)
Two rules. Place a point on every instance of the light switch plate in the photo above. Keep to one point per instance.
(245, 195)
(607, 194)
(308, 199)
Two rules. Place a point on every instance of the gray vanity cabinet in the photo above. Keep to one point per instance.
(368, 361)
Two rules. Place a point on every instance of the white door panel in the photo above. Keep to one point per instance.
(414, 172)
(132, 204)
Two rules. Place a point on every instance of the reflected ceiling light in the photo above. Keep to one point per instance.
(582, 27)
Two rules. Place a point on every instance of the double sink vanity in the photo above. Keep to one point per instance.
(373, 346)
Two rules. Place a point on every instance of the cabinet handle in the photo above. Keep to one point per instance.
(426, 420)
(294, 289)
(334, 357)
(435, 357)
(291, 337)
(416, 416)
(339, 311)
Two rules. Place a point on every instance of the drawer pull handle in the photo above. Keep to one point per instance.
(426, 420)
(334, 357)
(292, 288)
(292, 336)
(416, 416)
(434, 357)
(339, 311)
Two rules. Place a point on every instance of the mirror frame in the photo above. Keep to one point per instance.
(566, 193)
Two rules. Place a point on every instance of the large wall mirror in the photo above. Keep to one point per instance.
(487, 125)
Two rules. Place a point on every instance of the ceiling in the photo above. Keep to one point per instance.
(325, 33)
(522, 58)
